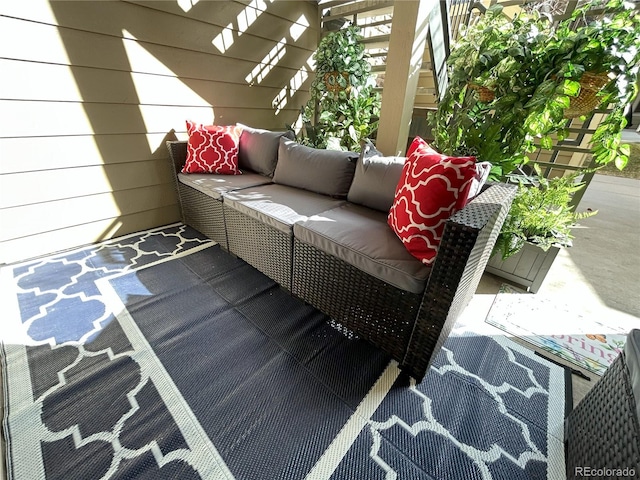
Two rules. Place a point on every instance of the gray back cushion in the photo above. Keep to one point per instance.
(329, 172)
(258, 149)
(376, 178)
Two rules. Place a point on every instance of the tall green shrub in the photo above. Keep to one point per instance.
(343, 108)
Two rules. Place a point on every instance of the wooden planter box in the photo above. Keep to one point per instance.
(528, 267)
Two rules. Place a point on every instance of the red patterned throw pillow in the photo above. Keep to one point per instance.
(212, 149)
(432, 187)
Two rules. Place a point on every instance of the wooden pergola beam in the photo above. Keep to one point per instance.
(404, 60)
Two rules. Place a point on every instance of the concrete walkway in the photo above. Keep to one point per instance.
(604, 262)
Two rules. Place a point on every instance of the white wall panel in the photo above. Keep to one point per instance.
(27, 154)
(45, 186)
(26, 220)
(128, 54)
(83, 234)
(90, 91)
(34, 118)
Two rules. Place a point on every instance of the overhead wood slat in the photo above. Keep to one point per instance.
(334, 3)
(375, 39)
(379, 23)
(368, 8)
(378, 41)
(564, 148)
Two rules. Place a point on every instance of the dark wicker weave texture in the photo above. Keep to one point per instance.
(408, 326)
(199, 210)
(371, 308)
(203, 213)
(177, 157)
(465, 248)
(266, 248)
(603, 430)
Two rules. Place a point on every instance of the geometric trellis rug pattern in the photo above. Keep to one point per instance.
(159, 355)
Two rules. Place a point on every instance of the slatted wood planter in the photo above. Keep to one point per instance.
(528, 267)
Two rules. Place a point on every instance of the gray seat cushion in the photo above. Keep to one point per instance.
(361, 237)
(216, 185)
(278, 205)
(632, 359)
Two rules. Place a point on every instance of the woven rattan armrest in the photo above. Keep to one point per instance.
(177, 155)
(197, 209)
(603, 431)
(465, 248)
(177, 158)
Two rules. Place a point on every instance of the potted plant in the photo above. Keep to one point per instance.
(513, 86)
(515, 82)
(343, 108)
(538, 224)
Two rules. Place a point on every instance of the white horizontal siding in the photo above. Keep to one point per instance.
(26, 220)
(64, 238)
(23, 80)
(56, 152)
(90, 92)
(34, 187)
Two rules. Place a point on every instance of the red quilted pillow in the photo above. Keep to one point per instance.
(431, 188)
(212, 149)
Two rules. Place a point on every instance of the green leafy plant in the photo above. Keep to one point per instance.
(343, 108)
(540, 214)
(533, 69)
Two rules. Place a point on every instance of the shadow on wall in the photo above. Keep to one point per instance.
(142, 69)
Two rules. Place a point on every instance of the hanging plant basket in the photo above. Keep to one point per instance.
(587, 100)
(484, 94)
(332, 80)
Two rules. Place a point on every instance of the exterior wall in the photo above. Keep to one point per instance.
(91, 90)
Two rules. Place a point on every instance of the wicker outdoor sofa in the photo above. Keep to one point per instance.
(335, 253)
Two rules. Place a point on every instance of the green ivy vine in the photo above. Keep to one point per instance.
(343, 108)
(533, 67)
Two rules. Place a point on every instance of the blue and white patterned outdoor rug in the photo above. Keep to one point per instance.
(159, 355)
